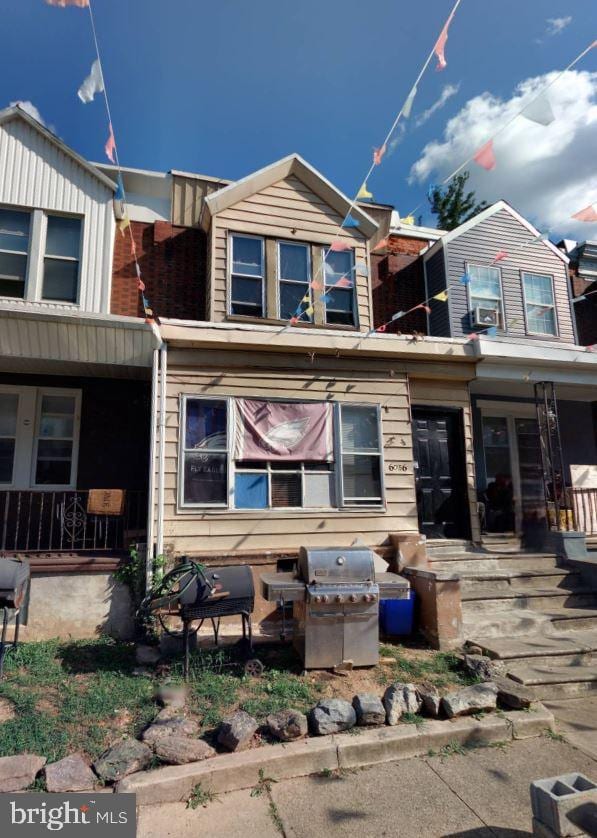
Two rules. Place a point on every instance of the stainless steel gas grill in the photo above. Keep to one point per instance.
(14, 600)
(335, 595)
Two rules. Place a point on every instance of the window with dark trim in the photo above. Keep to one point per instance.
(61, 260)
(14, 250)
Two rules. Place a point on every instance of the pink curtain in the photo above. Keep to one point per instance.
(283, 430)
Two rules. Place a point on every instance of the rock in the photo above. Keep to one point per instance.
(473, 649)
(166, 714)
(178, 750)
(7, 710)
(70, 774)
(18, 772)
(512, 694)
(121, 759)
(147, 655)
(237, 731)
(398, 699)
(287, 725)
(369, 709)
(430, 699)
(169, 726)
(172, 695)
(331, 715)
(471, 700)
(142, 672)
(483, 667)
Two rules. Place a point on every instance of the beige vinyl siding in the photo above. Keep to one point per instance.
(455, 394)
(291, 211)
(187, 198)
(197, 372)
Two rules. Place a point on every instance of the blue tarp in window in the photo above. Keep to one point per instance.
(250, 491)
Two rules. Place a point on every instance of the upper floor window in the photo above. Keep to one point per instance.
(247, 290)
(294, 276)
(61, 261)
(27, 236)
(539, 304)
(14, 249)
(485, 290)
(339, 288)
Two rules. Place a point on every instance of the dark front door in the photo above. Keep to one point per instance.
(440, 473)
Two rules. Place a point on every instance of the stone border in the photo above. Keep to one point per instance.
(229, 772)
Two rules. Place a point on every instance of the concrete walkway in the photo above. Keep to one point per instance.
(577, 721)
(484, 792)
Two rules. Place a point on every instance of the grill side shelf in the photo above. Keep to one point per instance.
(274, 586)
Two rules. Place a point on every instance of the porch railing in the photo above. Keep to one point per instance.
(34, 521)
(584, 506)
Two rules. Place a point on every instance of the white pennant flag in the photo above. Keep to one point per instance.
(94, 83)
(540, 111)
(408, 105)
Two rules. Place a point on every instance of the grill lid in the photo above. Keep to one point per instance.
(336, 565)
(14, 576)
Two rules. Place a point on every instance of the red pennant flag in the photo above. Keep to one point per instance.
(338, 246)
(381, 244)
(317, 285)
(586, 214)
(378, 153)
(473, 336)
(440, 45)
(140, 285)
(593, 347)
(343, 282)
(293, 321)
(485, 156)
(424, 307)
(110, 146)
(381, 328)
(81, 4)
(501, 254)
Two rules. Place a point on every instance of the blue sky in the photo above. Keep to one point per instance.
(226, 87)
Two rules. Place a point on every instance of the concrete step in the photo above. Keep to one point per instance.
(486, 561)
(503, 580)
(572, 619)
(547, 600)
(573, 646)
(513, 622)
(555, 680)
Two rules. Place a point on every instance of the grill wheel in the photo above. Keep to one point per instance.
(254, 668)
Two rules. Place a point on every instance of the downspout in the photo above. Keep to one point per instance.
(151, 481)
(162, 448)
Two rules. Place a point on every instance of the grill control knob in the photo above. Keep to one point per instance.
(317, 599)
(339, 598)
(369, 597)
(353, 597)
(325, 598)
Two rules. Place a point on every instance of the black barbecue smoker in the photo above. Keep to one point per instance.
(14, 601)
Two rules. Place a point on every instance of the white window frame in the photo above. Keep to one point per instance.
(46, 216)
(34, 278)
(182, 450)
(502, 309)
(551, 305)
(232, 234)
(55, 391)
(355, 502)
(25, 456)
(27, 253)
(280, 279)
(352, 273)
(367, 504)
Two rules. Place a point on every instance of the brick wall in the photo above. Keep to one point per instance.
(586, 310)
(397, 284)
(172, 262)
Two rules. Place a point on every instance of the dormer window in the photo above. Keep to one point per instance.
(294, 274)
(339, 288)
(539, 304)
(485, 290)
(61, 261)
(14, 250)
(247, 292)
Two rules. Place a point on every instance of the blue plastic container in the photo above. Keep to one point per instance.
(397, 615)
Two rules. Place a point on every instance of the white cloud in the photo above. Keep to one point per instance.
(548, 173)
(30, 108)
(556, 25)
(447, 93)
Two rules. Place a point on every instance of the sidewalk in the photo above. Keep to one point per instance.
(483, 792)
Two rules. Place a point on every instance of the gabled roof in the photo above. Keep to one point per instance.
(483, 216)
(291, 165)
(16, 112)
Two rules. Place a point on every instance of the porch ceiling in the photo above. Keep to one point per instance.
(525, 389)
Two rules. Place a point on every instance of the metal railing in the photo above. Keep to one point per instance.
(34, 521)
(584, 506)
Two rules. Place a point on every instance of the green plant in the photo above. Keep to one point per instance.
(412, 719)
(555, 737)
(451, 749)
(264, 784)
(276, 818)
(200, 797)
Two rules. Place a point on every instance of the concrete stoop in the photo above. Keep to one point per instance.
(234, 771)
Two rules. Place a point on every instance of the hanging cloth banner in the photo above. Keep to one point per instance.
(587, 214)
(363, 194)
(540, 111)
(283, 430)
(110, 146)
(485, 156)
(408, 105)
(440, 45)
(94, 83)
(81, 4)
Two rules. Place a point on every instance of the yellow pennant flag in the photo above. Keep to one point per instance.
(442, 296)
(124, 223)
(364, 193)
(309, 311)
(409, 219)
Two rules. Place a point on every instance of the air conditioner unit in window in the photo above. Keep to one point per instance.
(486, 317)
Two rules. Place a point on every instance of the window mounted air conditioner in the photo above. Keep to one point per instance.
(486, 317)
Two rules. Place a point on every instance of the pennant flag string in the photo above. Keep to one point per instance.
(587, 214)
(94, 83)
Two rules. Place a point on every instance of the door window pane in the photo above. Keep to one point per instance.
(55, 435)
(205, 478)
(7, 455)
(61, 262)
(9, 403)
(497, 446)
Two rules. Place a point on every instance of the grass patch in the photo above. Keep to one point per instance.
(412, 719)
(555, 737)
(442, 669)
(276, 691)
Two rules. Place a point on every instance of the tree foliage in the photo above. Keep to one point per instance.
(452, 205)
